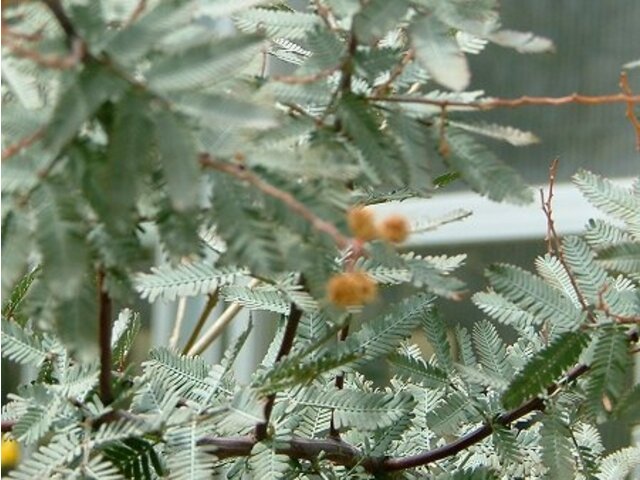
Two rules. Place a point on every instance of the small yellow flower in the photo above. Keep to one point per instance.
(10, 453)
(351, 289)
(361, 224)
(394, 229)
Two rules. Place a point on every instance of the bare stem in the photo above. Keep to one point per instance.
(553, 240)
(212, 301)
(104, 320)
(631, 115)
(285, 347)
(177, 326)
(219, 325)
(513, 102)
(339, 382)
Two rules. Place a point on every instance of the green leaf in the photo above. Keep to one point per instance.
(447, 416)
(624, 258)
(61, 238)
(438, 52)
(226, 111)
(417, 150)
(190, 278)
(266, 463)
(491, 350)
(506, 445)
(131, 43)
(125, 330)
(134, 458)
(590, 277)
(376, 18)
(504, 311)
(612, 199)
(23, 347)
(381, 336)
(77, 320)
(435, 329)
(291, 25)
(511, 135)
(363, 127)
(609, 367)
(361, 410)
(619, 464)
(417, 370)
(179, 160)
(77, 104)
(545, 367)
(129, 145)
(533, 295)
(204, 65)
(16, 247)
(522, 42)
(259, 298)
(481, 169)
(556, 449)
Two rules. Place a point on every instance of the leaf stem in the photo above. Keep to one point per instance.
(212, 301)
(104, 320)
(218, 327)
(285, 347)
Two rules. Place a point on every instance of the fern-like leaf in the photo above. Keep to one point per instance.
(545, 368)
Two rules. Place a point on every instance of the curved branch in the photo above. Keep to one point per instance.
(293, 203)
(513, 102)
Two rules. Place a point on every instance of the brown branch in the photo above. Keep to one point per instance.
(104, 319)
(285, 347)
(553, 239)
(491, 103)
(21, 144)
(63, 20)
(75, 57)
(7, 425)
(339, 382)
(626, 89)
(395, 73)
(135, 14)
(343, 453)
(212, 301)
(303, 79)
(293, 203)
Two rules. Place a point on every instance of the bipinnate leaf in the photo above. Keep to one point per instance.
(179, 160)
(439, 53)
(545, 367)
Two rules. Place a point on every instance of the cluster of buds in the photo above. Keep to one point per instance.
(394, 228)
(355, 287)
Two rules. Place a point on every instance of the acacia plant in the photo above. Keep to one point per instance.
(127, 119)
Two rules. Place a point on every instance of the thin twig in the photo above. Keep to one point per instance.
(395, 73)
(21, 144)
(63, 20)
(212, 301)
(631, 115)
(104, 321)
(304, 79)
(553, 239)
(177, 326)
(219, 325)
(135, 14)
(285, 347)
(71, 60)
(526, 100)
(339, 382)
(293, 203)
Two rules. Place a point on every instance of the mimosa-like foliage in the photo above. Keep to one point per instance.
(125, 121)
